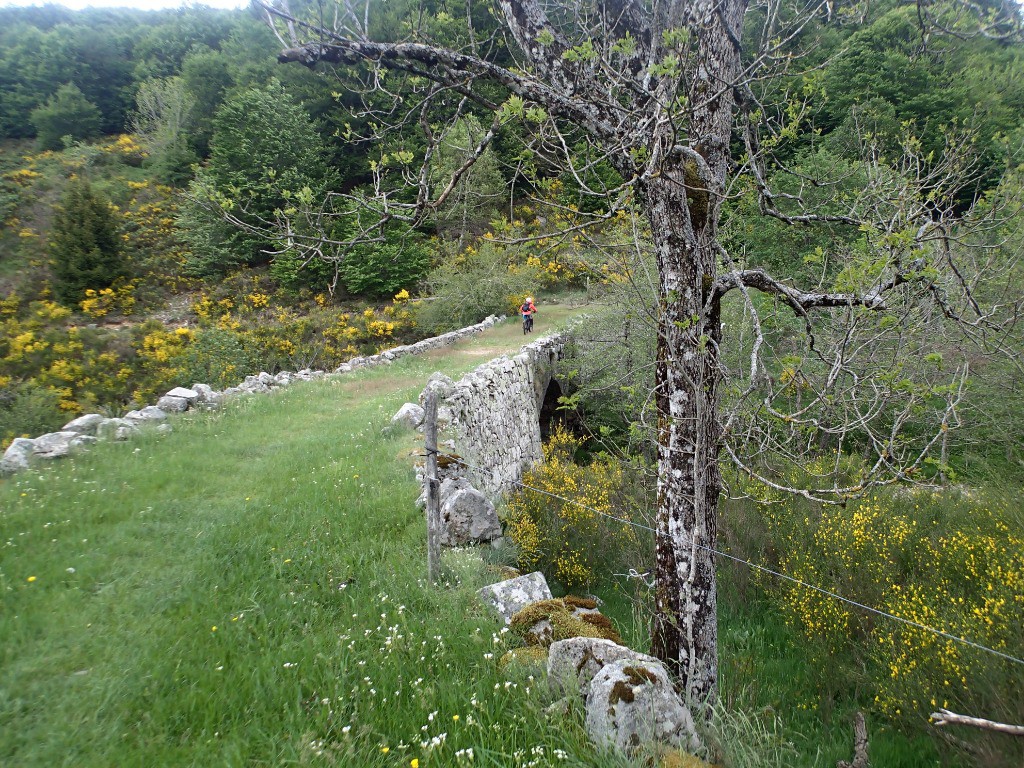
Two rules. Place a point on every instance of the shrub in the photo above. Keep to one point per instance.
(469, 286)
(216, 357)
(383, 269)
(573, 543)
(946, 561)
(28, 410)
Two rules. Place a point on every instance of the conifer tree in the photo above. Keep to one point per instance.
(84, 247)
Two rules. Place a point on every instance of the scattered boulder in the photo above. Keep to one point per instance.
(511, 596)
(117, 429)
(188, 394)
(151, 414)
(254, 384)
(632, 703)
(573, 663)
(546, 621)
(53, 445)
(17, 455)
(85, 425)
(449, 486)
(439, 383)
(172, 404)
(409, 415)
(204, 392)
(468, 517)
(206, 396)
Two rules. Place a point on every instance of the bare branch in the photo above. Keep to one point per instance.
(944, 717)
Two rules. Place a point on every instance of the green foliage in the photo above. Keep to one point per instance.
(383, 269)
(265, 154)
(67, 113)
(164, 116)
(467, 287)
(28, 410)
(295, 274)
(85, 248)
(480, 191)
(944, 560)
(217, 357)
(807, 255)
(206, 77)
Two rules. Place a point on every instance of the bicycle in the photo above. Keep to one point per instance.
(527, 324)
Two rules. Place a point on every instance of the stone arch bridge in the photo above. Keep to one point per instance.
(496, 416)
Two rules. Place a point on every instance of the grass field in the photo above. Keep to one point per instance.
(249, 590)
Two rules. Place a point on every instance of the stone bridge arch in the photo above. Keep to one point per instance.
(496, 416)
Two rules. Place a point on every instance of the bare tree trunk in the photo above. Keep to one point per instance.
(685, 633)
(683, 204)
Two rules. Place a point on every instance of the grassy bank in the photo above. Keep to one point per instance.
(248, 591)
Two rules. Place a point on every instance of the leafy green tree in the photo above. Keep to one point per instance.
(265, 153)
(67, 113)
(85, 248)
(206, 75)
(383, 269)
(96, 55)
(162, 47)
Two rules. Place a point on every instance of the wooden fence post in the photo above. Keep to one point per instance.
(433, 487)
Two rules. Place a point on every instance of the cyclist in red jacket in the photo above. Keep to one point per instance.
(527, 309)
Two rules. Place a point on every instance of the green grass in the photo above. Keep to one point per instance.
(249, 591)
(287, 522)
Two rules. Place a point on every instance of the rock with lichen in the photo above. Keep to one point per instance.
(468, 517)
(548, 621)
(512, 595)
(632, 703)
(573, 663)
(679, 759)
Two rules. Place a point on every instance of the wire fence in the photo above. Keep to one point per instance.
(754, 566)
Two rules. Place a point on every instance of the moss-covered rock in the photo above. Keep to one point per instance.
(678, 759)
(548, 621)
(530, 657)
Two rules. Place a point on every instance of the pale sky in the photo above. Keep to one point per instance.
(142, 5)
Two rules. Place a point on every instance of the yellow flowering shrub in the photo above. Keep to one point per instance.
(944, 561)
(574, 543)
(117, 299)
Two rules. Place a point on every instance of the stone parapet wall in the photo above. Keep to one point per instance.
(86, 430)
(491, 417)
